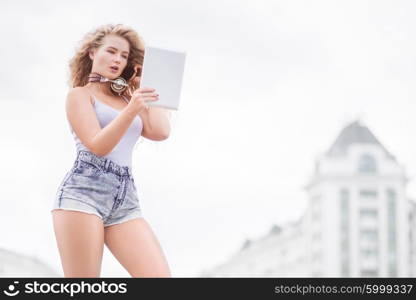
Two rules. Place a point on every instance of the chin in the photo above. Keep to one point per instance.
(113, 76)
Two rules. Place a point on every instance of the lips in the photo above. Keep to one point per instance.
(114, 68)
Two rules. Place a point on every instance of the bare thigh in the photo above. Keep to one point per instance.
(137, 249)
(80, 240)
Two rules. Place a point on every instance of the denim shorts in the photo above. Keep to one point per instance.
(97, 185)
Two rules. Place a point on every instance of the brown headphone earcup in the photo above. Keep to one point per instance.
(118, 85)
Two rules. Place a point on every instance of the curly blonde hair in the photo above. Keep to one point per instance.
(80, 64)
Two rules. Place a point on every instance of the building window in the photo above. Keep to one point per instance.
(391, 233)
(317, 256)
(369, 273)
(344, 232)
(368, 240)
(368, 213)
(369, 234)
(369, 253)
(368, 194)
(367, 164)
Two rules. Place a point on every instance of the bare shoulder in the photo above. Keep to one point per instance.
(80, 93)
(81, 116)
(78, 101)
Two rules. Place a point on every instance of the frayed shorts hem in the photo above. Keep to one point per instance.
(80, 206)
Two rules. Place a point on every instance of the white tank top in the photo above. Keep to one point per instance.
(122, 152)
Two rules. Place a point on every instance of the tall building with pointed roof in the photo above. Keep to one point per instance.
(358, 222)
(358, 208)
(354, 133)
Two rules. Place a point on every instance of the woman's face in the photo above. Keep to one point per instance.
(113, 53)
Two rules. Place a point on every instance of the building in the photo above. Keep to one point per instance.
(412, 239)
(358, 222)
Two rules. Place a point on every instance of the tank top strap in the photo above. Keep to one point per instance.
(92, 96)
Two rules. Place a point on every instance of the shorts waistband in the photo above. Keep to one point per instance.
(103, 163)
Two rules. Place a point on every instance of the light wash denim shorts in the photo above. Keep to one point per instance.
(97, 185)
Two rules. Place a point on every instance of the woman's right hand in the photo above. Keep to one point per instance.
(140, 96)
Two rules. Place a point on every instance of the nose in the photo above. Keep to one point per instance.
(117, 59)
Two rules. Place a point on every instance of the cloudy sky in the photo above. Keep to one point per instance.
(267, 87)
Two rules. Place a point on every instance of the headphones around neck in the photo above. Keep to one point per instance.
(118, 85)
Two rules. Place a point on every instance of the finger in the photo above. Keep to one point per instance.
(146, 89)
(138, 93)
(150, 100)
(150, 97)
(147, 99)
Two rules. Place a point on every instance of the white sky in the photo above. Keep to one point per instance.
(268, 86)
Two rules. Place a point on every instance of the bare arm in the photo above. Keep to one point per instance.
(155, 123)
(81, 115)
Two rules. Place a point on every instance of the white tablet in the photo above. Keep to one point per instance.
(163, 70)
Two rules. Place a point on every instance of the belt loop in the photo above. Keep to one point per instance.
(76, 161)
(127, 171)
(79, 157)
(106, 164)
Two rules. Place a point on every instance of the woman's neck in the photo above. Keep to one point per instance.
(102, 88)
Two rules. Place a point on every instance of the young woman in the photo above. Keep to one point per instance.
(97, 201)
